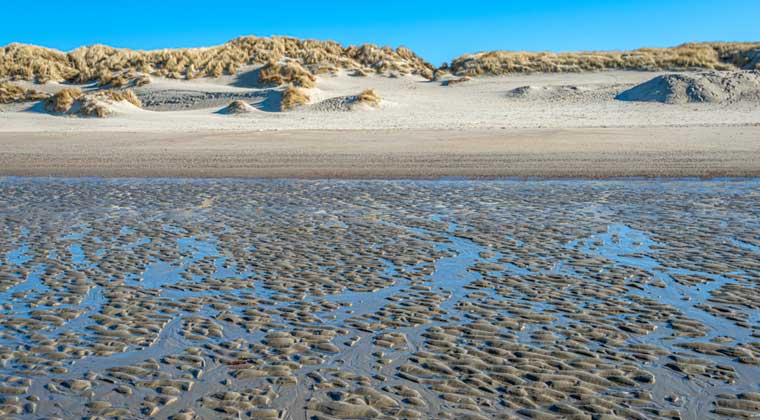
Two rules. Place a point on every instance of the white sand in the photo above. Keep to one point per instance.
(585, 100)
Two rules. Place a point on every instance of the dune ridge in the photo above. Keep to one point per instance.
(689, 56)
(291, 59)
(106, 64)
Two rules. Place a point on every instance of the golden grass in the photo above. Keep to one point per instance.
(369, 97)
(103, 63)
(713, 56)
(74, 101)
(10, 93)
(63, 100)
(293, 97)
(289, 73)
(120, 95)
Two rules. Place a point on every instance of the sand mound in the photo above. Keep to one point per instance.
(10, 93)
(293, 97)
(106, 64)
(710, 56)
(237, 107)
(714, 87)
(369, 99)
(72, 101)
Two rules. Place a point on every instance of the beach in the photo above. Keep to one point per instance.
(276, 228)
(554, 153)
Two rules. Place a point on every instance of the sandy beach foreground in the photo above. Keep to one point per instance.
(730, 151)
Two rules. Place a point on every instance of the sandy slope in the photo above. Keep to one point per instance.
(587, 153)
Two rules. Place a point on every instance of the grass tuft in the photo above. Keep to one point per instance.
(369, 97)
(291, 73)
(73, 101)
(63, 100)
(120, 95)
(11, 93)
(293, 97)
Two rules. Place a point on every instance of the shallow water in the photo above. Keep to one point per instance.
(367, 299)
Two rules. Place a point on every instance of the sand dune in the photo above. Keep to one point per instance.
(237, 107)
(712, 56)
(286, 74)
(105, 64)
(308, 88)
(715, 87)
(562, 100)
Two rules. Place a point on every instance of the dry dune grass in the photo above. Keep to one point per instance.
(63, 100)
(293, 97)
(106, 64)
(289, 73)
(30, 62)
(119, 96)
(369, 97)
(714, 56)
(10, 93)
(74, 101)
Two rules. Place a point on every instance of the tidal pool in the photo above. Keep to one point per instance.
(188, 299)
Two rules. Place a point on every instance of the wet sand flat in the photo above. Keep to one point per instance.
(314, 299)
(713, 151)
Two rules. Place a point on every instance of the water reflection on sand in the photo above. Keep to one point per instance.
(366, 299)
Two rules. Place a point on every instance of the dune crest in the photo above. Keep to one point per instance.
(105, 64)
(691, 56)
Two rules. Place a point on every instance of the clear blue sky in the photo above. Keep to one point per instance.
(438, 30)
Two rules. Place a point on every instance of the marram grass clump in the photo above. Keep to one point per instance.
(291, 73)
(12, 93)
(293, 97)
(63, 100)
(119, 96)
(72, 101)
(369, 97)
